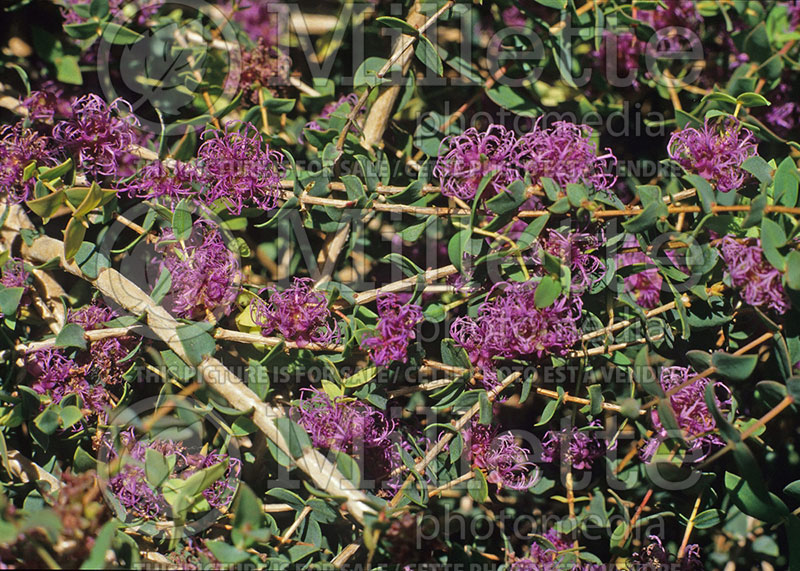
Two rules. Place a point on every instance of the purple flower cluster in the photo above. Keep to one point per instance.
(655, 556)
(644, 285)
(299, 313)
(575, 250)
(44, 104)
(573, 447)
(758, 282)
(20, 147)
(715, 152)
(205, 273)
(263, 66)
(342, 424)
(140, 497)
(353, 427)
(563, 152)
(258, 19)
(88, 373)
(14, 274)
(108, 356)
(473, 154)
(157, 181)
(691, 412)
(236, 170)
(510, 325)
(396, 327)
(505, 462)
(350, 99)
(543, 557)
(97, 134)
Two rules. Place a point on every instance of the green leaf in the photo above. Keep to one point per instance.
(786, 183)
(99, 8)
(454, 355)
(557, 4)
(226, 554)
(47, 421)
(734, 367)
(296, 437)
(398, 24)
(719, 96)
(162, 287)
(479, 488)
(120, 35)
(196, 341)
(157, 468)
(102, 543)
(71, 335)
(68, 69)
(9, 299)
(509, 201)
(427, 54)
(70, 415)
(744, 497)
(546, 292)
(752, 99)
(367, 72)
(704, 190)
(759, 168)
(362, 377)
(793, 270)
(182, 220)
(772, 238)
(73, 238)
(485, 408)
(55, 172)
(647, 218)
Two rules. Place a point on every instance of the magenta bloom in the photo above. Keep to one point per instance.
(96, 134)
(342, 424)
(566, 154)
(299, 313)
(14, 274)
(470, 156)
(644, 285)
(43, 105)
(691, 412)
(140, 498)
(18, 148)
(350, 99)
(505, 462)
(715, 152)
(655, 556)
(622, 67)
(257, 20)
(573, 447)
(205, 273)
(574, 249)
(759, 284)
(263, 66)
(236, 170)
(395, 329)
(509, 325)
(542, 557)
(156, 181)
(107, 357)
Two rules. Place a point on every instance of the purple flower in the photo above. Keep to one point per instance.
(108, 358)
(134, 493)
(258, 19)
(14, 274)
(342, 424)
(471, 155)
(350, 99)
(44, 104)
(655, 556)
(715, 152)
(573, 447)
(758, 282)
(623, 66)
(299, 313)
(644, 285)
(263, 66)
(510, 325)
(694, 419)
(51, 368)
(236, 170)
(396, 327)
(157, 181)
(566, 154)
(505, 461)
(97, 134)
(205, 273)
(20, 147)
(573, 249)
(544, 557)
